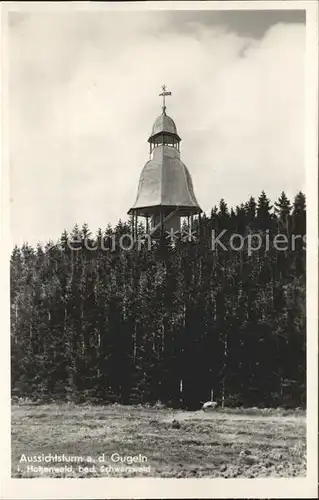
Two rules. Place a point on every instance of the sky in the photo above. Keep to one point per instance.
(83, 95)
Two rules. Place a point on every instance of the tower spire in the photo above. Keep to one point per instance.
(163, 94)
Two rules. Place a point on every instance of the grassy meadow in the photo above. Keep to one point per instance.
(225, 443)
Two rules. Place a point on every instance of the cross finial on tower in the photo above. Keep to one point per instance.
(163, 94)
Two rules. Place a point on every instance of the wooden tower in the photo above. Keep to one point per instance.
(165, 193)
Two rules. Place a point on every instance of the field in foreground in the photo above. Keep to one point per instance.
(224, 443)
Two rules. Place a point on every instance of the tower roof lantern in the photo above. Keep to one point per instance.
(164, 124)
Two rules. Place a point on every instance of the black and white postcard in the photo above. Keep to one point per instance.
(159, 249)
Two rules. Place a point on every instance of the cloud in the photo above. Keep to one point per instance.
(83, 97)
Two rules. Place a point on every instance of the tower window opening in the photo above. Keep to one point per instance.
(165, 140)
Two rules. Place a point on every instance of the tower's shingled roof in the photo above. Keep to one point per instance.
(165, 182)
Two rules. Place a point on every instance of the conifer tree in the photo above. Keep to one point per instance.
(282, 210)
(264, 212)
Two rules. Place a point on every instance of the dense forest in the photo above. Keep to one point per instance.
(169, 323)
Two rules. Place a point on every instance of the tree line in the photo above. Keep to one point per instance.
(172, 322)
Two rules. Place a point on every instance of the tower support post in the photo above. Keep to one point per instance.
(135, 228)
(162, 224)
(132, 226)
